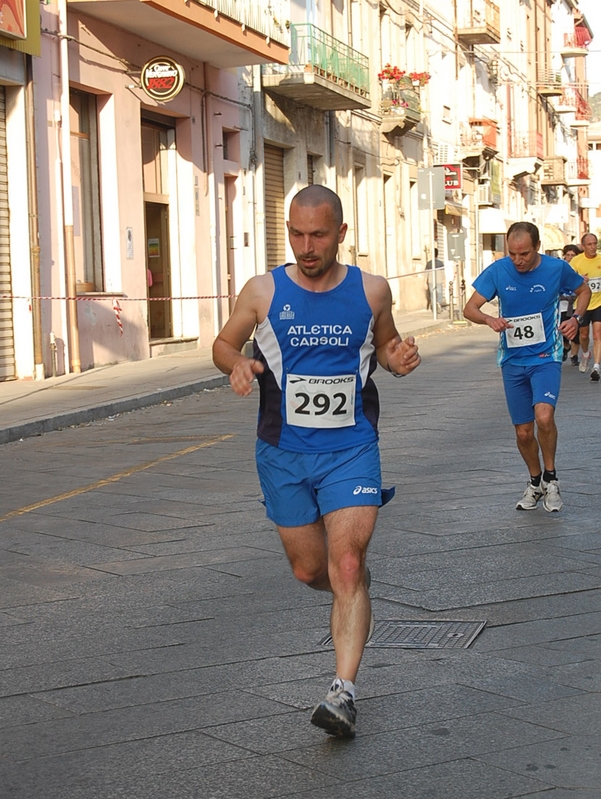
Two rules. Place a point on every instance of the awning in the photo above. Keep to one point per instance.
(491, 220)
(553, 238)
(454, 210)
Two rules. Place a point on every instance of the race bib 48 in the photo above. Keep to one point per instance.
(526, 330)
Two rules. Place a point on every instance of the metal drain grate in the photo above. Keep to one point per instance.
(394, 634)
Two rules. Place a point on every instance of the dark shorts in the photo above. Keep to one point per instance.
(527, 386)
(591, 316)
(300, 487)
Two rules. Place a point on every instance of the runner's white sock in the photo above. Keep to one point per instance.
(596, 366)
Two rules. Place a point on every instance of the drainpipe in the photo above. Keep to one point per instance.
(71, 282)
(34, 230)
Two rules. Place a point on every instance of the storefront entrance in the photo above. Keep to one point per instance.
(156, 141)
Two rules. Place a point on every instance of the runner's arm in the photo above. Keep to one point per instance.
(473, 313)
(583, 297)
(396, 355)
(227, 347)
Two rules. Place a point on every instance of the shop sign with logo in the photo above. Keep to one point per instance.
(452, 176)
(162, 78)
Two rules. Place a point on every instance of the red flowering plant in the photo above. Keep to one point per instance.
(391, 73)
(420, 77)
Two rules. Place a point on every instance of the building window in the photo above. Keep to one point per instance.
(86, 192)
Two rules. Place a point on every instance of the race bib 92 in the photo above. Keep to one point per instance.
(526, 330)
(318, 401)
(594, 284)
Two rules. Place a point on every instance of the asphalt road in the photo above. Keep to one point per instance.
(154, 644)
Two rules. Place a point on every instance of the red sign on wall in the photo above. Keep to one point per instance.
(12, 18)
(162, 78)
(452, 176)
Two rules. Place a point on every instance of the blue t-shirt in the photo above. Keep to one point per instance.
(316, 393)
(531, 299)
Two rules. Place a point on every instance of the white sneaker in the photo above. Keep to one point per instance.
(583, 366)
(529, 501)
(337, 713)
(552, 500)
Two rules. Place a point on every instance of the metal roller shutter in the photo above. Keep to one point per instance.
(275, 226)
(7, 348)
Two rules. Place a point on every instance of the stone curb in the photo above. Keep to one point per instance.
(59, 421)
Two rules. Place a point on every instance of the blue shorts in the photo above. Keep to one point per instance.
(526, 386)
(300, 487)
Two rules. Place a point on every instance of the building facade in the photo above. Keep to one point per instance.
(148, 208)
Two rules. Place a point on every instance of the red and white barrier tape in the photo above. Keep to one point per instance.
(111, 297)
(117, 310)
(115, 301)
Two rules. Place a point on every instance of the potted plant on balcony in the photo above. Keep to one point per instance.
(419, 78)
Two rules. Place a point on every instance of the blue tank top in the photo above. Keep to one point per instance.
(316, 393)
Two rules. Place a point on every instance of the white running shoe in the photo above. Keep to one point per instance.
(583, 366)
(552, 500)
(529, 501)
(337, 713)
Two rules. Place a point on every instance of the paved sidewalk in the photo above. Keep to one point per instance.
(29, 408)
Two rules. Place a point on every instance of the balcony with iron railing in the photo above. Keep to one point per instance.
(526, 152)
(567, 101)
(271, 19)
(224, 33)
(577, 172)
(576, 43)
(478, 22)
(322, 72)
(527, 144)
(400, 106)
(554, 171)
(548, 83)
(480, 139)
(583, 115)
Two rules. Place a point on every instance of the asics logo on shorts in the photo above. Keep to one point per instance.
(365, 490)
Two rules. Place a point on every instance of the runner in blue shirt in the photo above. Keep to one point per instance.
(528, 286)
(320, 328)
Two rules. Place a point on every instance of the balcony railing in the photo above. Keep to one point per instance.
(526, 145)
(583, 115)
(576, 43)
(486, 131)
(548, 83)
(322, 71)
(577, 172)
(271, 19)
(479, 22)
(568, 100)
(400, 105)
(553, 171)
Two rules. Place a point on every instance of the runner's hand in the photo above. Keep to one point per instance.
(402, 356)
(498, 324)
(243, 375)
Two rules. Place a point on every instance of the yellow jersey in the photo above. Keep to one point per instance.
(591, 268)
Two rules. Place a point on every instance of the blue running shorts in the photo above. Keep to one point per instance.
(526, 386)
(300, 487)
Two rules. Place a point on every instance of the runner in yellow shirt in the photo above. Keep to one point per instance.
(588, 264)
